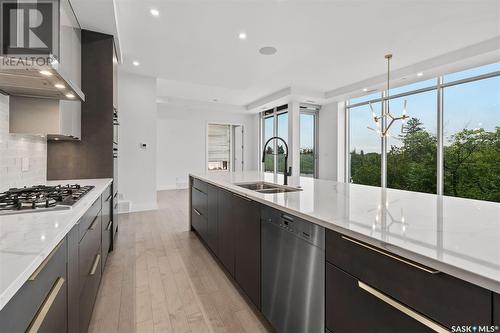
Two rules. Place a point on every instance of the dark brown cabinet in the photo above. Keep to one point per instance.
(247, 246)
(229, 225)
(227, 230)
(199, 211)
(212, 229)
(439, 297)
(349, 308)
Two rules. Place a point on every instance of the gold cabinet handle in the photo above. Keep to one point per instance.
(409, 312)
(44, 263)
(423, 268)
(37, 322)
(196, 211)
(108, 228)
(94, 265)
(92, 226)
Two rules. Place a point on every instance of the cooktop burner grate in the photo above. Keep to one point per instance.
(41, 197)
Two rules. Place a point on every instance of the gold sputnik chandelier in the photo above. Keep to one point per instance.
(387, 119)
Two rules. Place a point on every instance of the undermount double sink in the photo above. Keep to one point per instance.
(267, 188)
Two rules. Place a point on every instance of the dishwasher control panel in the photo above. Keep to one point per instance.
(301, 228)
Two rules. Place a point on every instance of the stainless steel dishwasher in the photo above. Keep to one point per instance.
(293, 273)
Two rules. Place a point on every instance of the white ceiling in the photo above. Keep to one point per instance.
(98, 15)
(194, 50)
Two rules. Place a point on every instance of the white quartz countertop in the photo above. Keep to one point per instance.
(457, 236)
(27, 239)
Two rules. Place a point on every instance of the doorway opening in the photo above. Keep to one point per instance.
(225, 147)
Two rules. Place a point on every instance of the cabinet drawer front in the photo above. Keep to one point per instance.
(17, 315)
(87, 220)
(89, 247)
(52, 316)
(199, 223)
(89, 293)
(199, 201)
(200, 185)
(439, 296)
(349, 308)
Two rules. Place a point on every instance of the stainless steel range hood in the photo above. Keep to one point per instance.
(34, 81)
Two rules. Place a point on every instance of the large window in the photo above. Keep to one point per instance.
(412, 149)
(472, 140)
(282, 132)
(268, 133)
(308, 124)
(275, 123)
(364, 147)
(463, 112)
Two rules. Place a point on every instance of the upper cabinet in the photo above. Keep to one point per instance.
(49, 64)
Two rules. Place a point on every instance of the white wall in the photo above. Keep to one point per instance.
(15, 148)
(137, 116)
(181, 136)
(328, 141)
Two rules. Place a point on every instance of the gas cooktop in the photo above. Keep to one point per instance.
(41, 198)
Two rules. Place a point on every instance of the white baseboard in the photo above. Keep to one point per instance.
(179, 186)
(126, 206)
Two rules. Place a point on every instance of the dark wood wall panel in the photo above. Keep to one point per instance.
(92, 157)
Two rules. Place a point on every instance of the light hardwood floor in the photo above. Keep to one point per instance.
(160, 278)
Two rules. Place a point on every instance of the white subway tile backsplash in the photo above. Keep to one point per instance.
(15, 147)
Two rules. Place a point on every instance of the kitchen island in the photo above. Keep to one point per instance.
(393, 244)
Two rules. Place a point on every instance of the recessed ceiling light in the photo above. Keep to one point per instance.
(135, 63)
(46, 73)
(70, 95)
(365, 89)
(420, 74)
(59, 86)
(154, 12)
(268, 50)
(242, 35)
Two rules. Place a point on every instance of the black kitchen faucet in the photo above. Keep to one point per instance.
(285, 172)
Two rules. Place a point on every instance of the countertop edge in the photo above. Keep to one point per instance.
(455, 271)
(14, 287)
